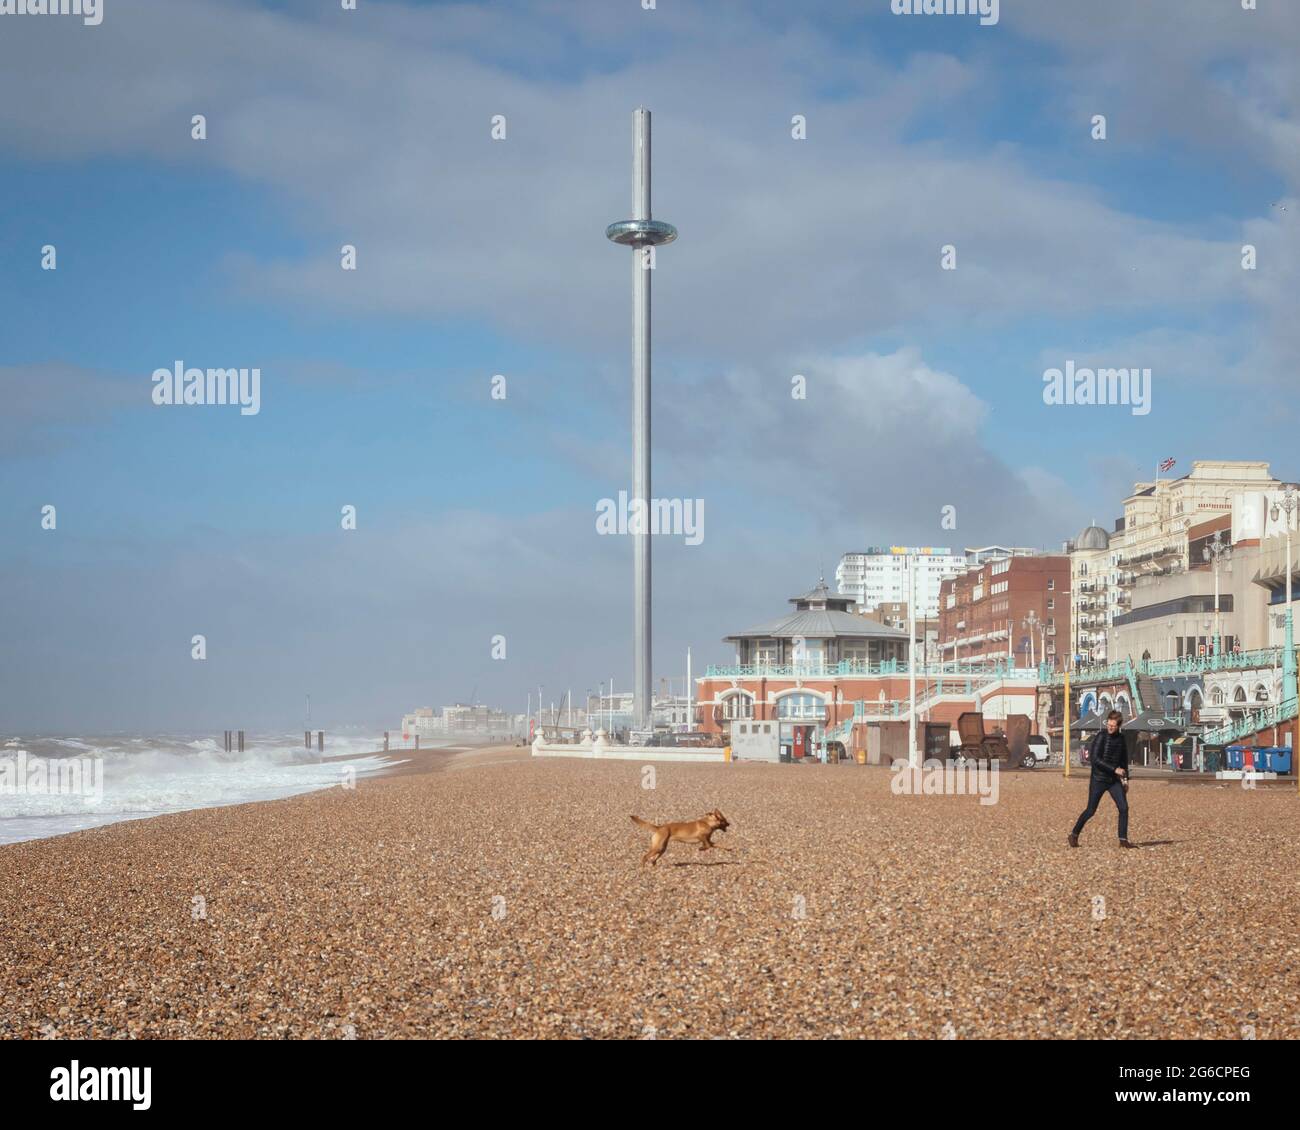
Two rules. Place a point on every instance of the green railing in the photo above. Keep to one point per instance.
(997, 669)
(1158, 668)
(1260, 720)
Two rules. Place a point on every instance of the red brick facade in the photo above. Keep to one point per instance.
(979, 609)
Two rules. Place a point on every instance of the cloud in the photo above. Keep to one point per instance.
(44, 405)
(378, 135)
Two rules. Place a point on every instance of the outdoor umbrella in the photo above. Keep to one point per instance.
(1094, 721)
(1154, 722)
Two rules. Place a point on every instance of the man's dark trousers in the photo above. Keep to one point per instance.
(1098, 785)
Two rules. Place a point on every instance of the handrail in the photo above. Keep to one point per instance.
(996, 669)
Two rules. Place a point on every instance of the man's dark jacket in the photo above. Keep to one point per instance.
(1107, 753)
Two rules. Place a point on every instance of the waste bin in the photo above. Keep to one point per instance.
(1275, 759)
(1234, 755)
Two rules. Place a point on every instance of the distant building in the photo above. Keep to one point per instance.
(1095, 595)
(895, 615)
(980, 554)
(1161, 535)
(459, 719)
(879, 575)
(1009, 607)
(823, 673)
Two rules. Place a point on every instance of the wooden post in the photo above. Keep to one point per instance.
(320, 741)
(241, 741)
(306, 741)
(385, 741)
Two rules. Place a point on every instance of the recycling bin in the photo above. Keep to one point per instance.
(1275, 759)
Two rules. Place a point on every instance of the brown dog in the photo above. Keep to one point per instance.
(686, 831)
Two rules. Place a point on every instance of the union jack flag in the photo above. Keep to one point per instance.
(1167, 464)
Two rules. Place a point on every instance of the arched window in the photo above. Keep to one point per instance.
(800, 706)
(737, 705)
(1239, 695)
(1261, 692)
(1216, 696)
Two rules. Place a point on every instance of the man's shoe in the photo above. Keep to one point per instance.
(1125, 844)
(1072, 840)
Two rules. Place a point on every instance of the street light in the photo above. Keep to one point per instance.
(1031, 622)
(1215, 551)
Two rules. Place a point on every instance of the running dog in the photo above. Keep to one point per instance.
(686, 832)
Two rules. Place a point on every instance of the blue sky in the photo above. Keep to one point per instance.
(476, 517)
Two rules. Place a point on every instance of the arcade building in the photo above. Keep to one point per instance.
(802, 671)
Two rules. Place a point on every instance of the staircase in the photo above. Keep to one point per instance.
(1148, 696)
(1251, 724)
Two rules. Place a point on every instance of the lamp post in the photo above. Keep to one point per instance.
(1215, 551)
(913, 757)
(1031, 622)
(1069, 666)
(1288, 505)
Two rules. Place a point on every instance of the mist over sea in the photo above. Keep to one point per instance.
(140, 776)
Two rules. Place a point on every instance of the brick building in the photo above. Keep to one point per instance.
(824, 673)
(1015, 606)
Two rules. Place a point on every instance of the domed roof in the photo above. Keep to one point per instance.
(1094, 537)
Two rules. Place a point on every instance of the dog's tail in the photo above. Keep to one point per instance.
(644, 823)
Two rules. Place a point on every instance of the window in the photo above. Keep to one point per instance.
(1051, 584)
(1051, 603)
(800, 706)
(853, 649)
(737, 705)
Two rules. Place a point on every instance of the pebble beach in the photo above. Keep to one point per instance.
(486, 894)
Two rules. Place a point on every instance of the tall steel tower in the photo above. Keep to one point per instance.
(641, 233)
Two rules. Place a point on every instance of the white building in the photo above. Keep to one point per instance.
(978, 555)
(879, 575)
(1153, 540)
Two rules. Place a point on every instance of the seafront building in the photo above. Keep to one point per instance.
(879, 575)
(823, 673)
(1010, 608)
(1140, 600)
(1163, 531)
(1151, 633)
(460, 720)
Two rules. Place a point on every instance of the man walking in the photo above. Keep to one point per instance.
(1109, 757)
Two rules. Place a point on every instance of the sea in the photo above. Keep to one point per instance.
(51, 785)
